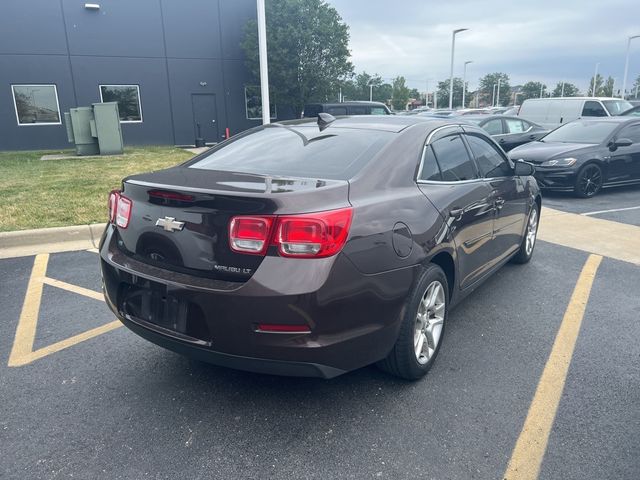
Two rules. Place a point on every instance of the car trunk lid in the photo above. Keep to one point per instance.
(180, 217)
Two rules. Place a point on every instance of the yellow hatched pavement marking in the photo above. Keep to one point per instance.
(531, 446)
(22, 352)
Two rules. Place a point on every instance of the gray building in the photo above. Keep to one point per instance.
(170, 65)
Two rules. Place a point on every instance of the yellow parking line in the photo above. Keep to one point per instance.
(26, 330)
(73, 288)
(67, 342)
(530, 448)
(22, 352)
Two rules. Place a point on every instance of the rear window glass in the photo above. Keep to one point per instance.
(297, 152)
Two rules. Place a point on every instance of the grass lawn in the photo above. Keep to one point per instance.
(36, 193)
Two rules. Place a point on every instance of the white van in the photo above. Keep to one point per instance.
(553, 112)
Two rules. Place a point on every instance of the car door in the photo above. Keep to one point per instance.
(624, 162)
(450, 180)
(508, 193)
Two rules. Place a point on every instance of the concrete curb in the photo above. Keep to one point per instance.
(48, 240)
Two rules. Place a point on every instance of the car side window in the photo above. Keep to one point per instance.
(526, 125)
(490, 161)
(593, 109)
(453, 158)
(493, 127)
(632, 132)
(358, 110)
(337, 111)
(514, 125)
(429, 167)
(378, 111)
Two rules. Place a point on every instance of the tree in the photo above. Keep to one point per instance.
(530, 90)
(635, 89)
(443, 92)
(486, 87)
(599, 87)
(400, 94)
(607, 89)
(359, 87)
(415, 94)
(308, 52)
(570, 90)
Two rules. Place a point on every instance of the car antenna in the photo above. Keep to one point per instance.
(324, 120)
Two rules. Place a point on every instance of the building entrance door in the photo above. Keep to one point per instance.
(204, 115)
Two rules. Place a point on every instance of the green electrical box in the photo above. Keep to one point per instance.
(80, 129)
(95, 130)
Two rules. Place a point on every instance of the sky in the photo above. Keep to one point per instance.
(545, 40)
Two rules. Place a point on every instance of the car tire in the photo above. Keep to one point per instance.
(422, 328)
(530, 235)
(588, 181)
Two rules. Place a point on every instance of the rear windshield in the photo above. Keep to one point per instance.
(579, 131)
(297, 151)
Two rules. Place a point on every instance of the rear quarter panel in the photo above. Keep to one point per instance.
(394, 225)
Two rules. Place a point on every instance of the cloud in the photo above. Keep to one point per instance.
(547, 40)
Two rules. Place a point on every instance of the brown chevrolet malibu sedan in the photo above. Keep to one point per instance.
(317, 246)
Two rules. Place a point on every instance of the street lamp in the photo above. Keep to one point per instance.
(464, 80)
(264, 70)
(453, 49)
(626, 64)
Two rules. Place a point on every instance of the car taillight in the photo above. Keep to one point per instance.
(113, 204)
(313, 235)
(250, 234)
(123, 211)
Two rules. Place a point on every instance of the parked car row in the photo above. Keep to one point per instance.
(583, 144)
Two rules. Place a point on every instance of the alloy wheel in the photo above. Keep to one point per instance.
(590, 181)
(532, 231)
(429, 322)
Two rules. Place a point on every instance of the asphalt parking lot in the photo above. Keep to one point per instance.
(85, 398)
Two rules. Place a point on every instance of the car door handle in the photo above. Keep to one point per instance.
(502, 140)
(456, 213)
(532, 137)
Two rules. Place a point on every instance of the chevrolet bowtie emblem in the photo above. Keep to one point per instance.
(169, 224)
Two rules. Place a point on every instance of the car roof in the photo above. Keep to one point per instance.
(555, 99)
(389, 123)
(614, 119)
(350, 103)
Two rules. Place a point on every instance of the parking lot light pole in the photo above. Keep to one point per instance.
(453, 50)
(562, 90)
(498, 94)
(626, 64)
(493, 95)
(264, 69)
(464, 80)
(595, 78)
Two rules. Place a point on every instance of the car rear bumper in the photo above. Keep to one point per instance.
(353, 318)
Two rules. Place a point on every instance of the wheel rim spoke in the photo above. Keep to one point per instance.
(429, 322)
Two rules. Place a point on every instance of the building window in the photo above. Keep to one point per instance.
(36, 104)
(128, 98)
(253, 104)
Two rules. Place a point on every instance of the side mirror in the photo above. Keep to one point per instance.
(620, 142)
(523, 169)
